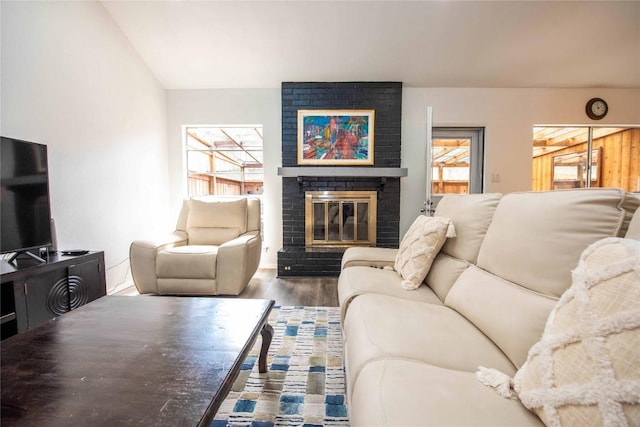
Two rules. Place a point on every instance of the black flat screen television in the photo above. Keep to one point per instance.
(25, 213)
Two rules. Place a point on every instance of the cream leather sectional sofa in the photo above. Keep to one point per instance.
(411, 356)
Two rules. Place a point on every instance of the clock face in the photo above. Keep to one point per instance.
(596, 108)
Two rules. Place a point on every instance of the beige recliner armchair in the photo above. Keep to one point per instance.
(215, 250)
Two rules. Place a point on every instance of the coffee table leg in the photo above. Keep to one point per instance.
(267, 335)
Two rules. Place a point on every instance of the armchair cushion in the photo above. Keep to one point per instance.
(194, 261)
(213, 223)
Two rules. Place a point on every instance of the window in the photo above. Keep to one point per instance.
(563, 157)
(570, 170)
(225, 160)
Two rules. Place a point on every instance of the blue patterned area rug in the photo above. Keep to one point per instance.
(305, 382)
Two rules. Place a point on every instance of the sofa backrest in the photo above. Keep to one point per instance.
(633, 232)
(213, 220)
(471, 215)
(524, 264)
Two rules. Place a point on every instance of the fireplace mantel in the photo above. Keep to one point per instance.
(342, 171)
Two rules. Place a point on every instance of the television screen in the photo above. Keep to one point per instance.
(24, 196)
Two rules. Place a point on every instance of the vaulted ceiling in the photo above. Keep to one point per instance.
(259, 44)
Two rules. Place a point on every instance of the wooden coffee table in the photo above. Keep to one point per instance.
(143, 360)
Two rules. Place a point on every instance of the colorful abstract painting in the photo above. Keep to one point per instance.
(335, 137)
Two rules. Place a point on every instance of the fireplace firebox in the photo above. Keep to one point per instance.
(340, 218)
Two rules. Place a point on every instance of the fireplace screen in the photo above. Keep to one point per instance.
(340, 218)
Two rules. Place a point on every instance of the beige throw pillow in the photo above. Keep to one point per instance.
(419, 246)
(585, 370)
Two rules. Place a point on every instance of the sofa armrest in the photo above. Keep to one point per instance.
(142, 256)
(237, 262)
(369, 257)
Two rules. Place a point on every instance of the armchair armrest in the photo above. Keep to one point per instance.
(237, 262)
(142, 256)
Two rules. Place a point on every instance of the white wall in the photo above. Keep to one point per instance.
(231, 107)
(71, 80)
(508, 116)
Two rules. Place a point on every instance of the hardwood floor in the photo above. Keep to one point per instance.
(308, 291)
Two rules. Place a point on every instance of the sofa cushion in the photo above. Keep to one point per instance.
(380, 327)
(215, 222)
(586, 367)
(396, 392)
(419, 246)
(536, 238)
(443, 273)
(511, 316)
(634, 227)
(471, 214)
(355, 281)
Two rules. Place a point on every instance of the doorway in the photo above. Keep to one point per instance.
(457, 162)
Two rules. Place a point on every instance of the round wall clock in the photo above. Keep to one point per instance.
(596, 108)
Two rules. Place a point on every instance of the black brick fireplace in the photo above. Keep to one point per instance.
(294, 259)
